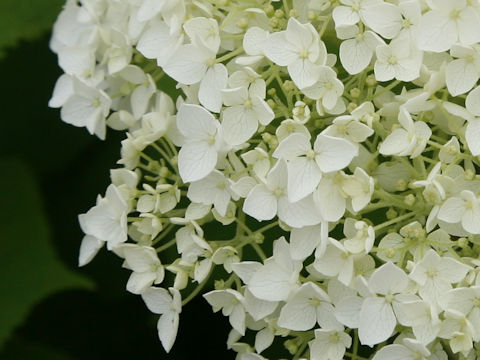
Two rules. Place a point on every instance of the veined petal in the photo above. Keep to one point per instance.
(472, 102)
(303, 177)
(298, 214)
(383, 18)
(213, 82)
(395, 143)
(333, 153)
(436, 32)
(377, 321)
(188, 64)
(303, 241)
(303, 73)
(452, 210)
(276, 50)
(344, 16)
(292, 146)
(260, 203)
(355, 55)
(238, 124)
(196, 160)
(167, 329)
(196, 123)
(461, 76)
(472, 135)
(394, 352)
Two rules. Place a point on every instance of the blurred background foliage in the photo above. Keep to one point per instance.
(51, 172)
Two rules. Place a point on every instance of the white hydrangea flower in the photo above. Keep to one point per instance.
(169, 305)
(300, 49)
(410, 140)
(199, 154)
(446, 23)
(239, 123)
(306, 165)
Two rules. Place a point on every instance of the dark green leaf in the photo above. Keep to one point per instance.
(26, 20)
(31, 270)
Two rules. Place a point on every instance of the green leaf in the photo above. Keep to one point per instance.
(31, 270)
(26, 20)
(19, 348)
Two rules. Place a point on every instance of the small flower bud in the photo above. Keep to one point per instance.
(242, 23)
(391, 214)
(469, 174)
(371, 81)
(279, 14)
(355, 93)
(272, 104)
(293, 13)
(401, 185)
(164, 172)
(409, 199)
(288, 85)
(219, 285)
(351, 106)
(274, 22)
(269, 10)
(291, 346)
(311, 15)
(259, 238)
(271, 92)
(462, 242)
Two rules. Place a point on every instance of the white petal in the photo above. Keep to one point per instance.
(452, 210)
(196, 160)
(436, 32)
(472, 134)
(344, 15)
(238, 124)
(254, 39)
(329, 200)
(260, 203)
(460, 76)
(271, 283)
(347, 311)
(333, 153)
(395, 143)
(62, 91)
(394, 352)
(304, 241)
(303, 177)
(195, 123)
(139, 282)
(472, 102)
(303, 73)
(355, 56)
(188, 64)
(209, 92)
(377, 321)
(294, 145)
(388, 278)
(384, 18)
(167, 329)
(88, 249)
(158, 300)
(300, 213)
(468, 31)
(263, 339)
(276, 49)
(297, 316)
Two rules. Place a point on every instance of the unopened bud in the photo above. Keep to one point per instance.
(391, 214)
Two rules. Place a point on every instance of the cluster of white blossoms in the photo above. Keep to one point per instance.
(317, 161)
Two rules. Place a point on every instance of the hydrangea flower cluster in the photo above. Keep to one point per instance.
(318, 158)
